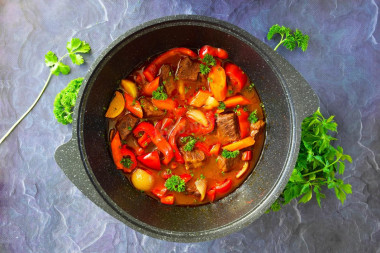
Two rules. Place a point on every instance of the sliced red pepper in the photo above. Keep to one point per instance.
(215, 149)
(133, 105)
(236, 100)
(185, 177)
(177, 129)
(247, 155)
(160, 191)
(166, 123)
(244, 123)
(156, 137)
(168, 200)
(152, 69)
(165, 174)
(202, 130)
(180, 111)
(167, 104)
(119, 152)
(203, 147)
(144, 140)
(217, 82)
(216, 52)
(237, 76)
(151, 160)
(152, 86)
(211, 194)
(224, 186)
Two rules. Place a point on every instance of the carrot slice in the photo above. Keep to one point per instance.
(217, 82)
(237, 145)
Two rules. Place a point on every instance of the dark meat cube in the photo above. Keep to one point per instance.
(193, 158)
(227, 128)
(229, 164)
(255, 127)
(125, 125)
(188, 70)
(167, 79)
(149, 109)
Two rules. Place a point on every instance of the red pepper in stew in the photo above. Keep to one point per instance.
(152, 69)
(224, 186)
(151, 160)
(237, 76)
(203, 147)
(160, 191)
(244, 123)
(120, 152)
(177, 129)
(158, 140)
(216, 52)
(168, 200)
(202, 130)
(211, 194)
(185, 177)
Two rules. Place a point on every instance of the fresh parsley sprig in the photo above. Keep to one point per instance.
(208, 61)
(160, 93)
(288, 38)
(317, 164)
(175, 183)
(74, 47)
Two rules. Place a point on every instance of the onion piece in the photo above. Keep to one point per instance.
(198, 116)
(201, 185)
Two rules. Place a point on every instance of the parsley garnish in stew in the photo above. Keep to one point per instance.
(230, 154)
(175, 183)
(160, 93)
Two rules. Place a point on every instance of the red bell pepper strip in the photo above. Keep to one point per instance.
(247, 155)
(236, 100)
(168, 200)
(202, 130)
(224, 186)
(215, 149)
(203, 147)
(119, 152)
(217, 82)
(180, 112)
(179, 126)
(167, 104)
(211, 194)
(216, 52)
(185, 177)
(165, 174)
(161, 143)
(133, 105)
(166, 123)
(244, 124)
(144, 140)
(152, 86)
(160, 191)
(237, 76)
(152, 69)
(151, 160)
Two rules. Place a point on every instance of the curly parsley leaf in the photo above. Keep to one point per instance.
(175, 183)
(190, 143)
(160, 93)
(207, 61)
(317, 164)
(204, 69)
(126, 161)
(289, 39)
(222, 105)
(253, 117)
(230, 154)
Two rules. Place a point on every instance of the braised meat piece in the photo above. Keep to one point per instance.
(229, 164)
(125, 125)
(255, 127)
(149, 109)
(193, 158)
(188, 70)
(167, 79)
(227, 128)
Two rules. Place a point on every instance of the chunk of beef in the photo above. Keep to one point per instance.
(227, 128)
(149, 109)
(193, 158)
(125, 125)
(227, 164)
(188, 69)
(255, 127)
(167, 79)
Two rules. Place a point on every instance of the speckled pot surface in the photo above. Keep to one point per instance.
(87, 161)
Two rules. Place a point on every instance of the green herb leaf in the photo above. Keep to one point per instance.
(222, 106)
(230, 154)
(175, 183)
(253, 117)
(50, 59)
(288, 39)
(204, 69)
(160, 93)
(126, 161)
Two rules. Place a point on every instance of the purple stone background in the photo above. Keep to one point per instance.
(42, 211)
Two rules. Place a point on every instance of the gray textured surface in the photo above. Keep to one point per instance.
(41, 210)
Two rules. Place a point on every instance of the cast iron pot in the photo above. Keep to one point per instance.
(87, 161)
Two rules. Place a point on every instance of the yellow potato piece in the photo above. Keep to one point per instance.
(129, 87)
(116, 106)
(142, 180)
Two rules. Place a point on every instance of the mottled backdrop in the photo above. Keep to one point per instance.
(42, 211)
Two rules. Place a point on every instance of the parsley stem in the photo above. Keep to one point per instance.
(30, 108)
(313, 172)
(279, 44)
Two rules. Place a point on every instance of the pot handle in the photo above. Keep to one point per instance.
(69, 160)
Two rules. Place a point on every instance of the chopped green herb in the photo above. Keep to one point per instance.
(169, 171)
(251, 87)
(245, 109)
(203, 88)
(209, 60)
(176, 78)
(190, 145)
(230, 154)
(126, 162)
(133, 102)
(204, 69)
(170, 73)
(230, 92)
(236, 108)
(253, 117)
(164, 82)
(222, 105)
(175, 183)
(104, 108)
(129, 128)
(160, 93)
(209, 79)
(202, 176)
(155, 108)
